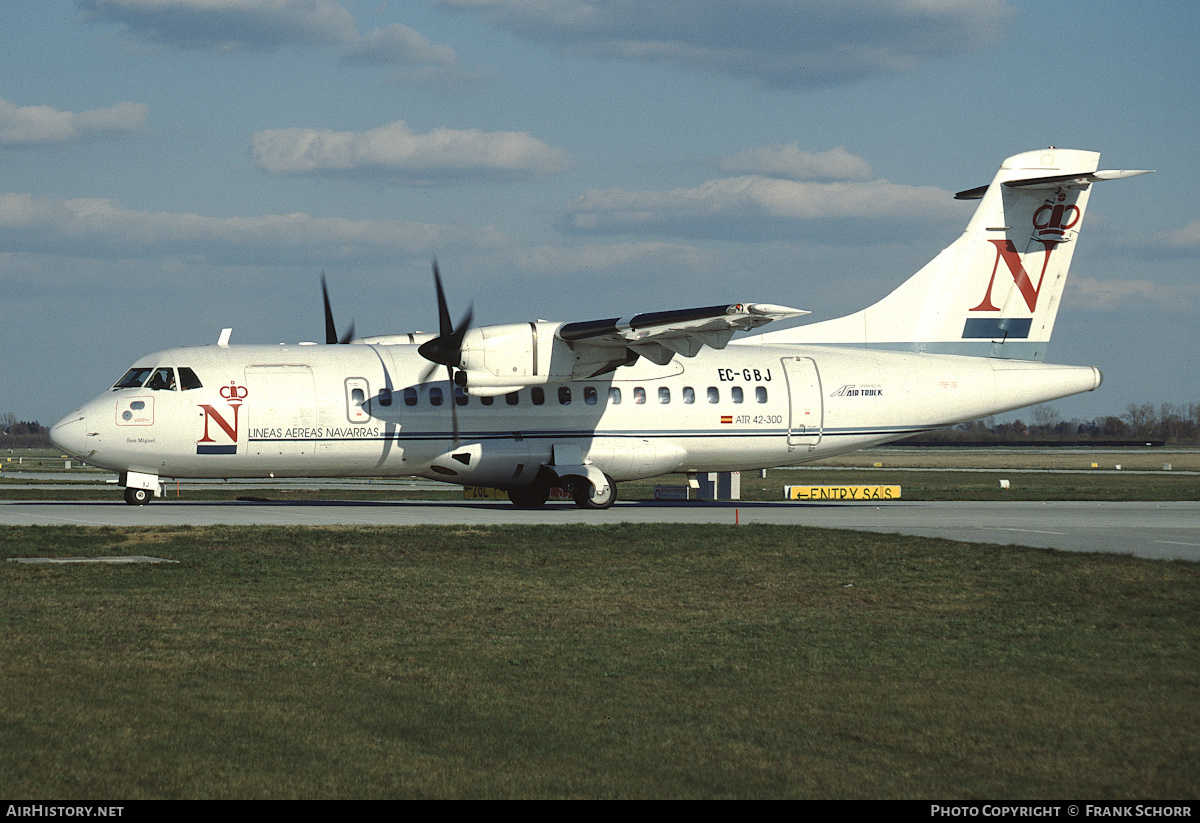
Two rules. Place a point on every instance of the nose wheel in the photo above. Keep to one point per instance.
(137, 497)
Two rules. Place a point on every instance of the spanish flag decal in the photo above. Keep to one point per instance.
(727, 418)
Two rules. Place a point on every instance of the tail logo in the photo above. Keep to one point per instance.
(1051, 222)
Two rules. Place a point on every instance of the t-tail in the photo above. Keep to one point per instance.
(996, 290)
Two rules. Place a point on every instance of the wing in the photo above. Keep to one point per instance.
(659, 336)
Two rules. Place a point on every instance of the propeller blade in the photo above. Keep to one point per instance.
(446, 348)
(444, 327)
(453, 403)
(331, 335)
(330, 328)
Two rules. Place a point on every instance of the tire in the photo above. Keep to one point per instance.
(585, 496)
(137, 497)
(533, 496)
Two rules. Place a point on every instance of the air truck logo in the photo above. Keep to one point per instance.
(1050, 225)
(221, 426)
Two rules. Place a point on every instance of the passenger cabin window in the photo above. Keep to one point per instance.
(614, 395)
(512, 398)
(689, 394)
(435, 396)
(538, 394)
(564, 395)
(487, 401)
(460, 395)
(639, 395)
(664, 395)
(589, 395)
(385, 397)
(714, 394)
(736, 391)
(760, 394)
(410, 396)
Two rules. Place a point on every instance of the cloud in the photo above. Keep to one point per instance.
(395, 154)
(266, 25)
(754, 206)
(102, 228)
(1095, 294)
(43, 125)
(792, 163)
(1184, 240)
(228, 25)
(602, 257)
(774, 43)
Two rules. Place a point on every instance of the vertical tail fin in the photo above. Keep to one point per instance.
(995, 291)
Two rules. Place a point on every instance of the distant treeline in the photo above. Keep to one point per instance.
(1147, 424)
(22, 434)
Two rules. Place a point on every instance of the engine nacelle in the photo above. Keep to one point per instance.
(501, 359)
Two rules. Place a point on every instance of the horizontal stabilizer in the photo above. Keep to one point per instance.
(1053, 182)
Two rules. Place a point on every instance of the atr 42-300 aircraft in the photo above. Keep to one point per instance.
(531, 406)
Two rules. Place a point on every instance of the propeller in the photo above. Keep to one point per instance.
(331, 335)
(446, 348)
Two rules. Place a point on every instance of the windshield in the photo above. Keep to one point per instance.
(133, 379)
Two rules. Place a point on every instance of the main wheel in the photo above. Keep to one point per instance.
(587, 498)
(137, 497)
(533, 496)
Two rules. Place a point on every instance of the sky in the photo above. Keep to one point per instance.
(169, 168)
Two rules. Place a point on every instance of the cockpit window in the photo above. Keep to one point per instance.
(188, 379)
(163, 380)
(133, 379)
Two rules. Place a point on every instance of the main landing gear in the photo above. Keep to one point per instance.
(581, 489)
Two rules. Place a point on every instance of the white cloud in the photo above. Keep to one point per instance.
(747, 204)
(602, 257)
(95, 227)
(43, 125)
(394, 153)
(228, 24)
(776, 43)
(1184, 239)
(398, 44)
(791, 162)
(1096, 294)
(265, 25)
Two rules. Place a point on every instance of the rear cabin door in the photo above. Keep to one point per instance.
(805, 404)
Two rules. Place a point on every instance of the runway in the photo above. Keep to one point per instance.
(1169, 530)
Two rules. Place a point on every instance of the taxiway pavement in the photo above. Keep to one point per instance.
(1167, 530)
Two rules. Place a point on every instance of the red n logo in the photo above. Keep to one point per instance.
(213, 414)
(1006, 251)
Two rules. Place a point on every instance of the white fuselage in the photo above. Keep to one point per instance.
(360, 409)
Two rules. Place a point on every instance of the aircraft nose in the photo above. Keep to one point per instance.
(70, 434)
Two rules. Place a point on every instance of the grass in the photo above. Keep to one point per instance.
(593, 661)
